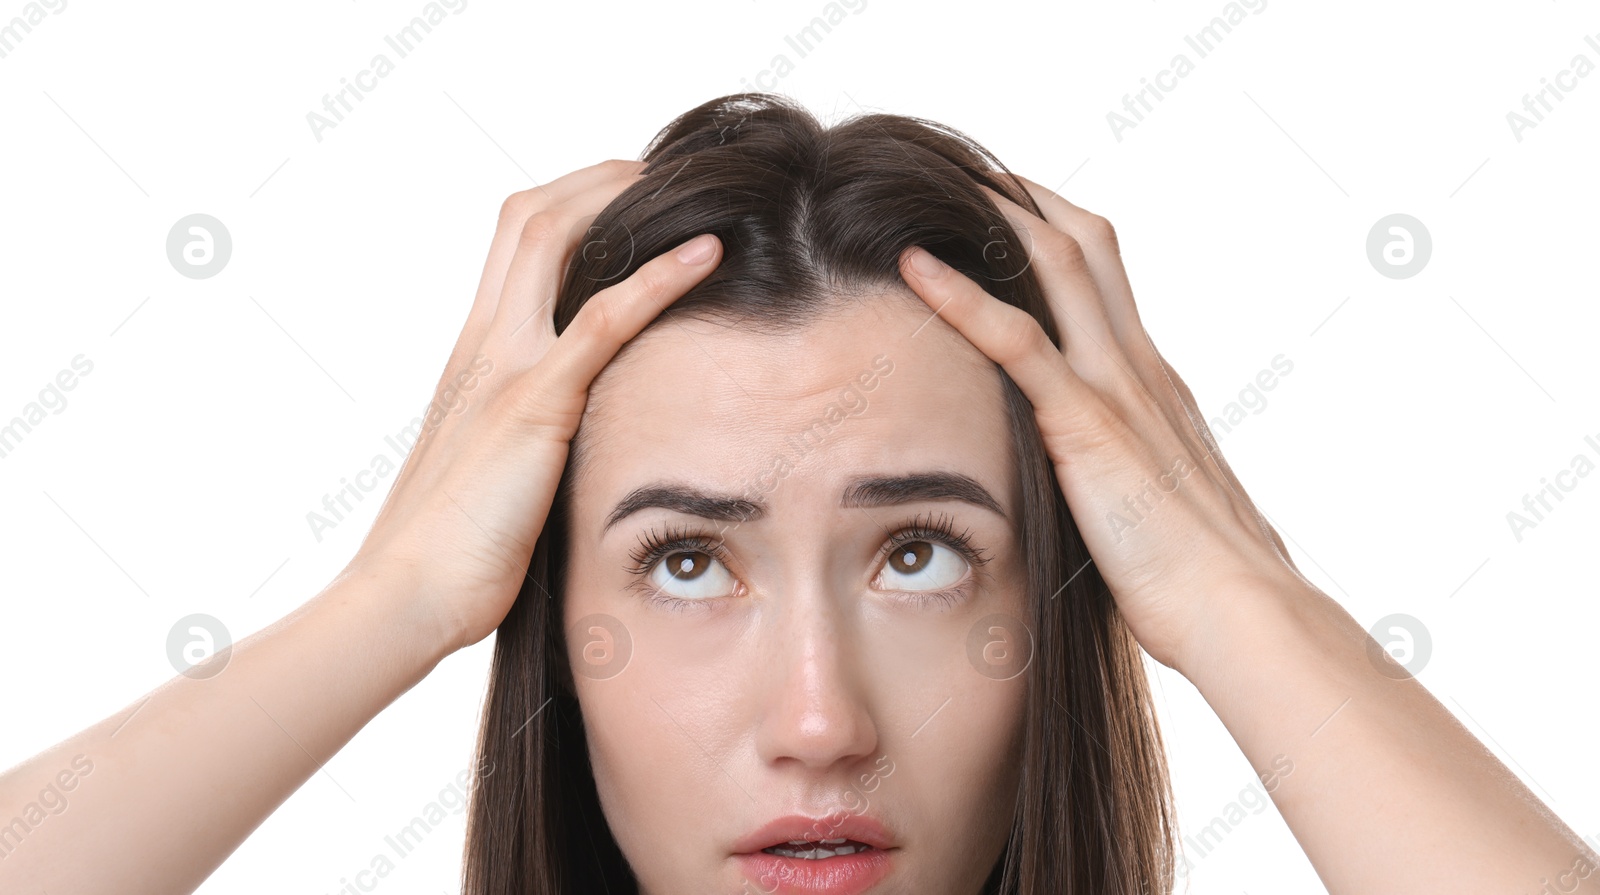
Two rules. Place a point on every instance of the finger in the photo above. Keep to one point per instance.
(514, 213)
(525, 313)
(1137, 357)
(1100, 245)
(1104, 255)
(1059, 262)
(1220, 462)
(557, 388)
(1007, 335)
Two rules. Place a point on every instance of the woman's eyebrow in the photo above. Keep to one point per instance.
(862, 491)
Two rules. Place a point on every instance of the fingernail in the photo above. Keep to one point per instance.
(926, 265)
(697, 250)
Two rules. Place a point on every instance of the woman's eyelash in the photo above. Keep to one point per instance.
(940, 529)
(653, 546)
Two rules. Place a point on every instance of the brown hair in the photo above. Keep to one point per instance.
(807, 213)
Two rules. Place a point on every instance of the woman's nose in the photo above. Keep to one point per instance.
(817, 711)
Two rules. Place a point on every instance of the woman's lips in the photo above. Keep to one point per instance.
(837, 874)
(841, 824)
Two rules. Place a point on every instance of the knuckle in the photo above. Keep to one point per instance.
(1062, 251)
(619, 167)
(544, 226)
(517, 208)
(1100, 230)
(1019, 335)
(652, 279)
(599, 317)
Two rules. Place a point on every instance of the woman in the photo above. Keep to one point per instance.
(831, 578)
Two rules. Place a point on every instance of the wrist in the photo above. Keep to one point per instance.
(1257, 618)
(396, 604)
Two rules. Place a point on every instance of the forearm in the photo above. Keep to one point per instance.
(1386, 791)
(181, 777)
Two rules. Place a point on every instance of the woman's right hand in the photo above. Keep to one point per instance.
(439, 570)
(459, 524)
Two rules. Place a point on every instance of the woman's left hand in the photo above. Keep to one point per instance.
(1164, 518)
(1209, 590)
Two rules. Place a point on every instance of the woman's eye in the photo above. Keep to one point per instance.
(922, 565)
(691, 575)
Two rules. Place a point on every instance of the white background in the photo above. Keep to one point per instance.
(1419, 411)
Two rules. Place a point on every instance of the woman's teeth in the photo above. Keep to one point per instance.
(815, 851)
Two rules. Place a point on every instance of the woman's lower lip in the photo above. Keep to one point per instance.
(839, 875)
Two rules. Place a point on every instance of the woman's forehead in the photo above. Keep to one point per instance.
(876, 389)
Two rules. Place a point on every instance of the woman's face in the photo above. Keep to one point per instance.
(765, 619)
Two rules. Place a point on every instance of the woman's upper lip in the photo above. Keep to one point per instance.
(841, 824)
